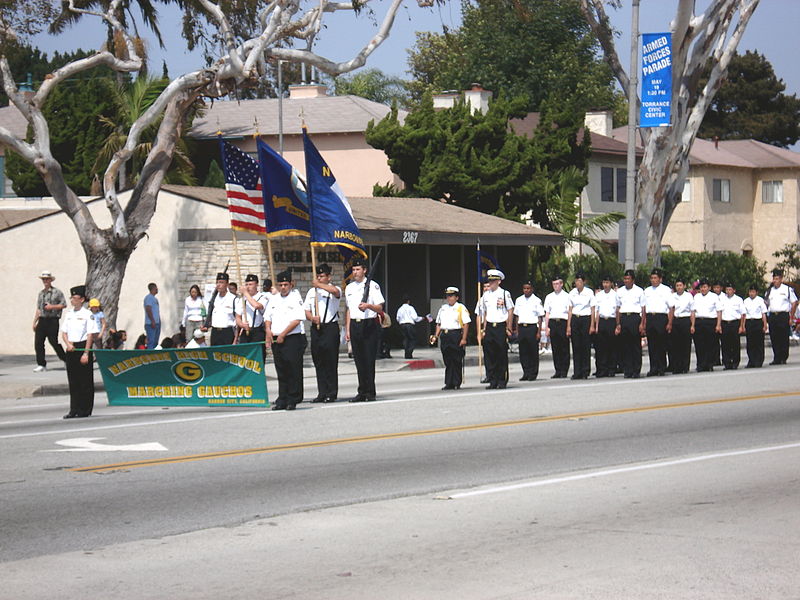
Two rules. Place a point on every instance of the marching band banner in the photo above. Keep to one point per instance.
(204, 376)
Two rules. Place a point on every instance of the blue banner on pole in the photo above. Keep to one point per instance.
(656, 80)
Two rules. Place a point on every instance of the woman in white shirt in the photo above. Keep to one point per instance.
(194, 312)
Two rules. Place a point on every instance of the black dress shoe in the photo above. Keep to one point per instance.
(370, 398)
(290, 406)
(491, 386)
(358, 398)
(449, 387)
(555, 376)
(523, 378)
(576, 377)
(318, 399)
(329, 399)
(484, 380)
(276, 407)
(69, 416)
(501, 386)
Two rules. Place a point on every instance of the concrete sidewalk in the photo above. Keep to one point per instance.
(17, 379)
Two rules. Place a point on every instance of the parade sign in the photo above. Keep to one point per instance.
(656, 79)
(205, 376)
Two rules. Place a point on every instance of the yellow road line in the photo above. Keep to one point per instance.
(421, 432)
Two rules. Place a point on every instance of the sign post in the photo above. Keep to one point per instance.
(656, 80)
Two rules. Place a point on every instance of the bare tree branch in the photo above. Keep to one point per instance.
(595, 14)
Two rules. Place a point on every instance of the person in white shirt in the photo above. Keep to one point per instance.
(407, 318)
(284, 322)
(480, 325)
(755, 327)
(194, 312)
(452, 324)
(679, 341)
(658, 314)
(579, 325)
(556, 313)
(78, 330)
(706, 323)
(782, 302)
(361, 327)
(733, 316)
(198, 339)
(528, 314)
(222, 316)
(322, 309)
(498, 309)
(603, 326)
(630, 324)
(249, 312)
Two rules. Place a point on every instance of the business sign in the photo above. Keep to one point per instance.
(205, 376)
(656, 79)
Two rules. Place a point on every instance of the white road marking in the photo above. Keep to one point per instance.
(617, 471)
(89, 445)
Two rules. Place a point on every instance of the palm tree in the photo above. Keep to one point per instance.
(563, 211)
(131, 101)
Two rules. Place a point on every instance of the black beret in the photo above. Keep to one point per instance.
(324, 268)
(702, 281)
(606, 277)
(359, 262)
(222, 277)
(284, 276)
(251, 277)
(78, 290)
(630, 273)
(658, 272)
(580, 275)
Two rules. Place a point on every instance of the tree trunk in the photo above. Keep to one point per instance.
(105, 272)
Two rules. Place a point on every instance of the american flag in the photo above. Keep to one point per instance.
(243, 189)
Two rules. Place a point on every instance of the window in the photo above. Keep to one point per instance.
(622, 175)
(686, 194)
(722, 190)
(612, 184)
(607, 184)
(772, 192)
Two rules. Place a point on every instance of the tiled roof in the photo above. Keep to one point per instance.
(12, 119)
(328, 114)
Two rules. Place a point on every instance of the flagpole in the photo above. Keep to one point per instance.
(271, 260)
(311, 228)
(313, 275)
(478, 317)
(236, 253)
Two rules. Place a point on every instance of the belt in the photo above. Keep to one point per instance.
(503, 323)
(780, 312)
(556, 319)
(652, 314)
(222, 328)
(449, 331)
(609, 318)
(528, 324)
(581, 316)
(683, 317)
(706, 318)
(630, 313)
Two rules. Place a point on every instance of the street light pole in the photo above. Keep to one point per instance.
(630, 183)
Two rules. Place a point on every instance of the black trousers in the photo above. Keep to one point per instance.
(656, 331)
(559, 342)
(364, 341)
(779, 336)
(631, 344)
(453, 357)
(81, 381)
(680, 345)
(528, 350)
(731, 344)
(47, 328)
(705, 342)
(605, 353)
(325, 353)
(754, 332)
(495, 352)
(289, 366)
(257, 334)
(409, 339)
(581, 346)
(222, 336)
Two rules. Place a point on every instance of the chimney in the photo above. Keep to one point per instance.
(599, 121)
(312, 90)
(444, 100)
(478, 98)
(27, 87)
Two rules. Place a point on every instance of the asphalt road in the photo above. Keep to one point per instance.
(684, 486)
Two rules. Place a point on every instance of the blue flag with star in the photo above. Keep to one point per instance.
(332, 221)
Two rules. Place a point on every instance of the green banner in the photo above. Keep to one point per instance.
(206, 376)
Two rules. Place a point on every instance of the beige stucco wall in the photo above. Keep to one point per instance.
(685, 228)
(52, 243)
(775, 225)
(356, 165)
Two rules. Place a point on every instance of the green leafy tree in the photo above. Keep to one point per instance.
(375, 85)
(742, 271)
(215, 177)
(74, 112)
(532, 48)
(751, 104)
(789, 261)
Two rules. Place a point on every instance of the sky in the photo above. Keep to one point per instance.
(772, 31)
